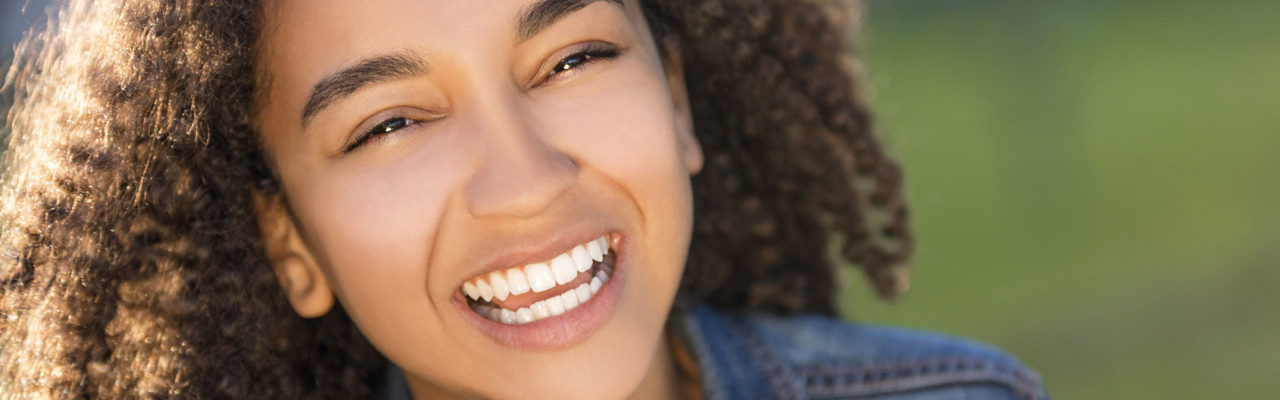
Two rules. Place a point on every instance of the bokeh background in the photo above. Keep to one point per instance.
(1094, 184)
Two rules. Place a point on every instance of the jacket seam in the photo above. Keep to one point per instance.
(693, 333)
(880, 378)
(783, 383)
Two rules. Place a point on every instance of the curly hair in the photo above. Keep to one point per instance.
(130, 260)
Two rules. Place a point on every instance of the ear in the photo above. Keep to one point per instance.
(304, 284)
(690, 150)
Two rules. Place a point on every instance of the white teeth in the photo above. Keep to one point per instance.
(593, 248)
(486, 291)
(570, 300)
(554, 306)
(507, 317)
(581, 259)
(540, 310)
(516, 282)
(540, 278)
(563, 268)
(499, 285)
(471, 290)
(524, 316)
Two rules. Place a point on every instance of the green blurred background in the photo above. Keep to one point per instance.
(1094, 186)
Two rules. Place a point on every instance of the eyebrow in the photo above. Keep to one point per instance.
(546, 12)
(366, 72)
(389, 67)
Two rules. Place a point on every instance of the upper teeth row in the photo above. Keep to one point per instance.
(549, 307)
(538, 277)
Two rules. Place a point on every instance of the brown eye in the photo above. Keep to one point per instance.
(578, 59)
(587, 55)
(385, 127)
(391, 125)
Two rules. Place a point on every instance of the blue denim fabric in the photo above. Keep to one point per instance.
(759, 356)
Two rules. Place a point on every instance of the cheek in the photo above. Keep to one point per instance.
(373, 227)
(626, 132)
(373, 230)
(621, 124)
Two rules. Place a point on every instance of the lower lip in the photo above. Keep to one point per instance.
(565, 330)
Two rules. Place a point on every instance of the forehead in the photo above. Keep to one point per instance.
(305, 38)
(343, 25)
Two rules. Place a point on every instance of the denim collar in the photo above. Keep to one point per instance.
(762, 356)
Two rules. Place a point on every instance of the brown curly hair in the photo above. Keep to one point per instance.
(130, 260)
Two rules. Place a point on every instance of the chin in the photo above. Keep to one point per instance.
(601, 348)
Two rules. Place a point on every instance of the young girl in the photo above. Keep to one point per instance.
(454, 199)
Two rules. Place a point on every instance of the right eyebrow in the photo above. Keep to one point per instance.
(368, 71)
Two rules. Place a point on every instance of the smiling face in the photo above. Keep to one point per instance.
(433, 149)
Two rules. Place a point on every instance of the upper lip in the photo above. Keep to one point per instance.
(547, 245)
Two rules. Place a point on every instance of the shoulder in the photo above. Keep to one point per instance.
(809, 356)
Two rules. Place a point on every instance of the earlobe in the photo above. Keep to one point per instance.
(690, 150)
(304, 284)
(307, 290)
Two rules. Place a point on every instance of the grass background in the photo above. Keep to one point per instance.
(1094, 186)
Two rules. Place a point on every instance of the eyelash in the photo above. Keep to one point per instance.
(587, 55)
(382, 128)
(591, 53)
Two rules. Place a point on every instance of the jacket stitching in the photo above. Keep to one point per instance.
(878, 377)
(713, 381)
(775, 369)
(823, 380)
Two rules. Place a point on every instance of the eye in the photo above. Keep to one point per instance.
(590, 53)
(382, 128)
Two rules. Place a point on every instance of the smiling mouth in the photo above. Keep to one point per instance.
(537, 291)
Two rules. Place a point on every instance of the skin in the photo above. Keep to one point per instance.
(512, 159)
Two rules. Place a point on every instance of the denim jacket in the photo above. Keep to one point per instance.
(760, 356)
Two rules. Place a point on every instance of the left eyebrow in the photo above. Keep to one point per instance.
(546, 12)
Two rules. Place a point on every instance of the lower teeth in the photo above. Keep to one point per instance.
(547, 308)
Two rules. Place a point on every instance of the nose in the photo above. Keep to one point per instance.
(520, 174)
